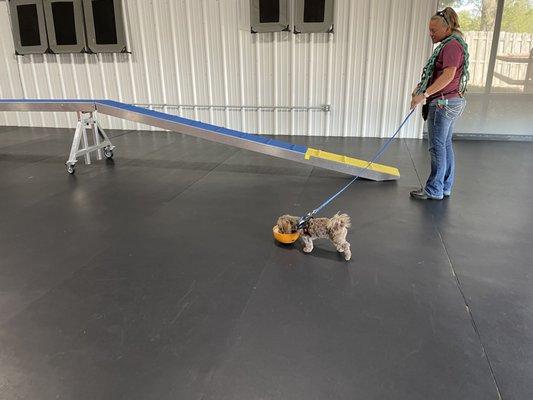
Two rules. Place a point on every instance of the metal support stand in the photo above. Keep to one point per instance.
(87, 121)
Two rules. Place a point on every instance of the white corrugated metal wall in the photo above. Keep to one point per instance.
(192, 52)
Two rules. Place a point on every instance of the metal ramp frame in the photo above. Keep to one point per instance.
(87, 110)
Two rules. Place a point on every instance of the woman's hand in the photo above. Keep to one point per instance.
(418, 99)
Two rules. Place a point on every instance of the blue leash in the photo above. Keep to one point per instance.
(304, 220)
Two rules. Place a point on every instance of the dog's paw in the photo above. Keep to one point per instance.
(308, 249)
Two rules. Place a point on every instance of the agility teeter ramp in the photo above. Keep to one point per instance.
(87, 121)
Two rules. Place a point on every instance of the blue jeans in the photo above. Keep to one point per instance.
(441, 120)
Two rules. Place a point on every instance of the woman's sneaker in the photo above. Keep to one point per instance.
(420, 194)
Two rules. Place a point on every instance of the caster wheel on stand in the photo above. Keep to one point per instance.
(108, 153)
(71, 169)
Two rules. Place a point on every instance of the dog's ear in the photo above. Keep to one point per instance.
(291, 228)
(283, 225)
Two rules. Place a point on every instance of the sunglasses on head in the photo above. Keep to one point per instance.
(441, 14)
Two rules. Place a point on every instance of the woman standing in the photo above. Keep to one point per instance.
(441, 92)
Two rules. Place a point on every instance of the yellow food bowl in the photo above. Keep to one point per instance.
(286, 238)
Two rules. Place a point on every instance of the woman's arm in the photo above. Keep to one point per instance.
(442, 81)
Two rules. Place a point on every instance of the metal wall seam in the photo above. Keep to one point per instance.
(348, 66)
(191, 58)
(224, 66)
(13, 78)
(241, 77)
(143, 32)
(162, 78)
(49, 84)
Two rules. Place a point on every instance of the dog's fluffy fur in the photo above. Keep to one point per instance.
(334, 229)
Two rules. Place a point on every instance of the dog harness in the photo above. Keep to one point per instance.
(305, 227)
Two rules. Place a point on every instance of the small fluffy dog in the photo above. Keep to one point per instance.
(334, 229)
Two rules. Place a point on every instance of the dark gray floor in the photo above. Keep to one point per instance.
(157, 277)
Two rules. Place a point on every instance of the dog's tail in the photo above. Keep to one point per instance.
(339, 221)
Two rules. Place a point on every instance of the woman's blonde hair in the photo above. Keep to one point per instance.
(450, 18)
